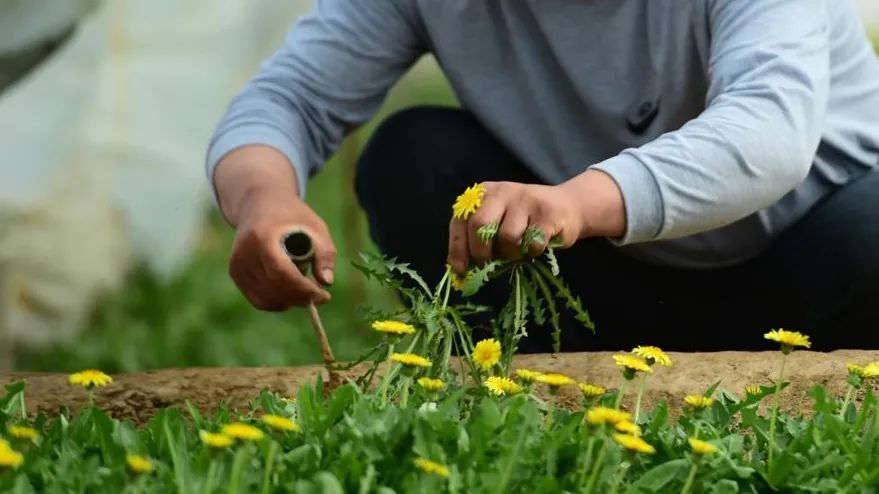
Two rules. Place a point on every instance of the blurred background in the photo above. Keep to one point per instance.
(111, 253)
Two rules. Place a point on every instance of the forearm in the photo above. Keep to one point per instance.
(250, 172)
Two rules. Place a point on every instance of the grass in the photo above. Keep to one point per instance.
(199, 318)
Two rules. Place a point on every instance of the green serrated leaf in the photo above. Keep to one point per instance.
(553, 262)
(657, 478)
(479, 276)
(537, 304)
(547, 297)
(564, 293)
(488, 232)
(533, 235)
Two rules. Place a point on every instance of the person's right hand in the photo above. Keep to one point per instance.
(258, 194)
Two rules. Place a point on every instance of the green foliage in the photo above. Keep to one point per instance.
(350, 442)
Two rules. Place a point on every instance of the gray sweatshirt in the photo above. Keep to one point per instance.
(722, 121)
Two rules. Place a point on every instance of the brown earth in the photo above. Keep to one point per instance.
(137, 396)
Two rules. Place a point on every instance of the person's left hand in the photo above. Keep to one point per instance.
(587, 205)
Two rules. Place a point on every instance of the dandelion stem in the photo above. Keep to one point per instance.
(237, 465)
(467, 348)
(22, 407)
(618, 476)
(596, 468)
(209, 481)
(698, 428)
(439, 288)
(774, 418)
(447, 350)
(270, 463)
(507, 470)
(404, 394)
(393, 370)
(641, 387)
(518, 323)
(388, 374)
(448, 288)
(620, 394)
(691, 477)
(589, 450)
(845, 402)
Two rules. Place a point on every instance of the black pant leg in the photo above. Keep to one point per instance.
(822, 276)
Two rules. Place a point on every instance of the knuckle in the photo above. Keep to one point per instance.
(262, 233)
(507, 236)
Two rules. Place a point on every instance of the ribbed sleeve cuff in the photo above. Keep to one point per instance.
(644, 206)
(229, 141)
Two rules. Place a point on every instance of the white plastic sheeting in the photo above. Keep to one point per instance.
(103, 144)
(870, 14)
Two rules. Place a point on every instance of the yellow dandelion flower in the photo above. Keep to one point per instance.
(605, 415)
(628, 427)
(431, 384)
(244, 432)
(554, 380)
(215, 440)
(591, 390)
(433, 467)
(280, 423)
(701, 447)
(468, 202)
(22, 432)
(393, 327)
(527, 376)
(89, 378)
(653, 354)
(501, 386)
(866, 372)
(487, 353)
(139, 464)
(855, 369)
(410, 360)
(871, 370)
(634, 443)
(9, 458)
(752, 390)
(698, 401)
(631, 364)
(788, 339)
(458, 282)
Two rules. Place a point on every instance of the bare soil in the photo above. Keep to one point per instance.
(138, 396)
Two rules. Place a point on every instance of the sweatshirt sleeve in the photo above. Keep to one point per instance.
(332, 74)
(768, 73)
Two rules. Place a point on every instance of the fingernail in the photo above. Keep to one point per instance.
(328, 276)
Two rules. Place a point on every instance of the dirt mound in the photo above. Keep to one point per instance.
(137, 396)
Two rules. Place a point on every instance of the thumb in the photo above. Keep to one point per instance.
(324, 260)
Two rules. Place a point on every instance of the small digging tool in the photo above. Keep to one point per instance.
(299, 247)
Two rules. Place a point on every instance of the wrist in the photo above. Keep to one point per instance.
(250, 176)
(598, 204)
